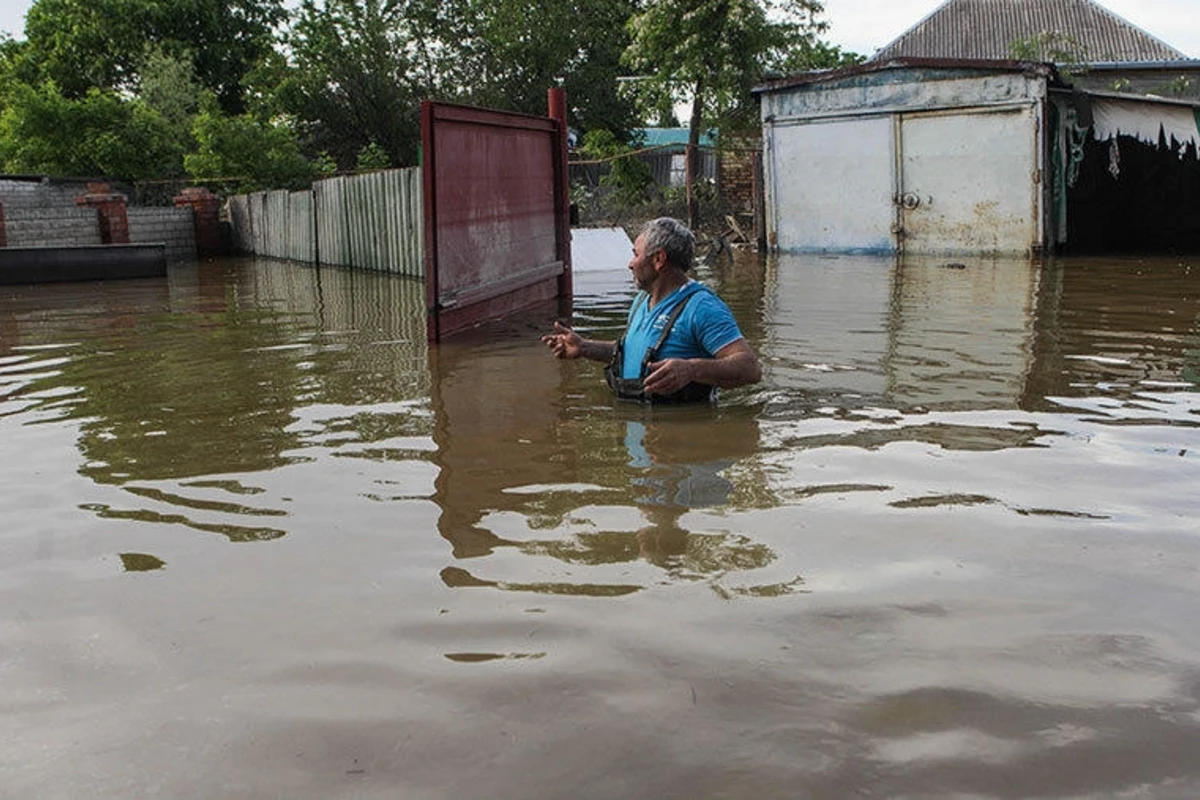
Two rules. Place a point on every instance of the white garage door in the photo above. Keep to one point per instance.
(831, 185)
(969, 182)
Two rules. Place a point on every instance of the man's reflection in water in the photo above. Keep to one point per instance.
(673, 469)
(679, 463)
(529, 461)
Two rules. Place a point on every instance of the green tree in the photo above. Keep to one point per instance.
(812, 53)
(261, 155)
(100, 44)
(372, 157)
(507, 53)
(360, 68)
(358, 71)
(168, 85)
(628, 175)
(100, 134)
(713, 52)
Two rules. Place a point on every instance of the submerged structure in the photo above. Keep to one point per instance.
(946, 156)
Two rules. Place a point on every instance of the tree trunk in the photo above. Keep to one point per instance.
(692, 157)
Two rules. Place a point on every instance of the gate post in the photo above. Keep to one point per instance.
(556, 99)
(206, 217)
(114, 222)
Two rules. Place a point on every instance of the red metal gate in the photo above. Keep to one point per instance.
(497, 229)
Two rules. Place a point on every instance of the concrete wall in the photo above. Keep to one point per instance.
(38, 192)
(42, 212)
(173, 227)
(63, 226)
(900, 90)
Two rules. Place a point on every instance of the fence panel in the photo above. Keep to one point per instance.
(257, 202)
(301, 242)
(239, 220)
(331, 236)
(372, 221)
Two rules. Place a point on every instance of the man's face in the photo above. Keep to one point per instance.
(642, 264)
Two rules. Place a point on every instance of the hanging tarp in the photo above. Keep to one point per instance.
(1144, 120)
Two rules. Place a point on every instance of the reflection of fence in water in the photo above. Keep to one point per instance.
(373, 322)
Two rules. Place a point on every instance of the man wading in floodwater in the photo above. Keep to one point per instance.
(681, 341)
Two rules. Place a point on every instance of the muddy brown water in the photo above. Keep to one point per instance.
(258, 540)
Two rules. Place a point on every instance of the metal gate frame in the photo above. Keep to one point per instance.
(496, 207)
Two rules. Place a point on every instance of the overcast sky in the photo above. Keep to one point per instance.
(864, 26)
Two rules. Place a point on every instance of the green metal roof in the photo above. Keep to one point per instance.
(666, 137)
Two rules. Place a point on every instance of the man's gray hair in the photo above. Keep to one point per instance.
(673, 238)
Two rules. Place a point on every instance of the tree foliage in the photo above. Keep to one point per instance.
(628, 176)
(372, 157)
(813, 53)
(260, 155)
(167, 84)
(100, 134)
(356, 76)
(507, 53)
(713, 52)
(221, 88)
(82, 45)
(359, 68)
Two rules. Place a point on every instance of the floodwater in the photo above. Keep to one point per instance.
(258, 540)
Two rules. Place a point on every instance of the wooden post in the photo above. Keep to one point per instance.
(760, 205)
(556, 99)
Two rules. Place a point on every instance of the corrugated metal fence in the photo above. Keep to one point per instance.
(370, 221)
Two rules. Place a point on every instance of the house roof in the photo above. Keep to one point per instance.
(987, 29)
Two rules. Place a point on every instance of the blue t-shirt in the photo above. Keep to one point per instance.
(705, 326)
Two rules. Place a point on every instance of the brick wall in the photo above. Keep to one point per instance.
(32, 226)
(171, 226)
(739, 183)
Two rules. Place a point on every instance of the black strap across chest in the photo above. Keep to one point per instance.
(631, 388)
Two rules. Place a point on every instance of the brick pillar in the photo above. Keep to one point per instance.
(206, 216)
(114, 223)
(3, 228)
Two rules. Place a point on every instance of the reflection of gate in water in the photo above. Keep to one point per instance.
(497, 235)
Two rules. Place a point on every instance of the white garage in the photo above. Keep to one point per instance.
(921, 157)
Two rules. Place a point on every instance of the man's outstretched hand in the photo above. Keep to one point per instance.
(564, 342)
